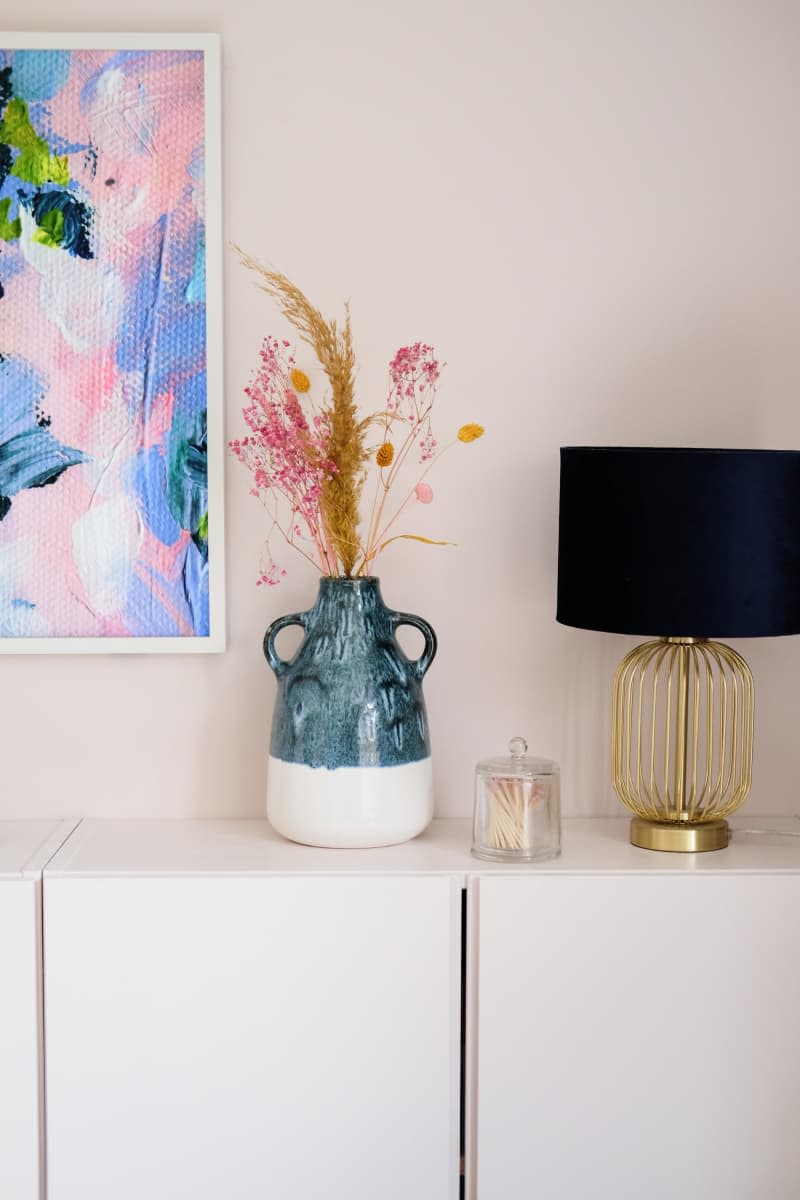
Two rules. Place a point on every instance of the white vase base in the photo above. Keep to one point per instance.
(353, 807)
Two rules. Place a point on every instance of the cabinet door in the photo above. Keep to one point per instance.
(278, 1037)
(19, 1039)
(637, 1037)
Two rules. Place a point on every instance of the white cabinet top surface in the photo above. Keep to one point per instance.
(251, 847)
(26, 846)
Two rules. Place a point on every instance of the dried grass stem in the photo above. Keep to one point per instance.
(333, 348)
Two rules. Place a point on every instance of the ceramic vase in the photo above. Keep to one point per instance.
(350, 759)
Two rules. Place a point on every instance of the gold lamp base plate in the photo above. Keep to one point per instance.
(683, 837)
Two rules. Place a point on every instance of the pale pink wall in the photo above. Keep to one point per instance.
(592, 209)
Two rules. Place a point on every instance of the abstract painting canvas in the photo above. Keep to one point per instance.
(110, 344)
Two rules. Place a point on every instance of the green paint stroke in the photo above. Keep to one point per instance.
(202, 528)
(50, 231)
(34, 163)
(9, 230)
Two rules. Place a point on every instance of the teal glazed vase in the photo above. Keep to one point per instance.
(350, 756)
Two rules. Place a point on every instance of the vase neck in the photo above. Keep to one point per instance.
(337, 594)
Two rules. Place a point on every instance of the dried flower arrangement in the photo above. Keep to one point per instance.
(310, 459)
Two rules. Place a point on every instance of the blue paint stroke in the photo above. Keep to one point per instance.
(180, 353)
(163, 338)
(196, 288)
(196, 169)
(150, 488)
(11, 263)
(39, 74)
(191, 392)
(148, 609)
(195, 583)
(20, 618)
(144, 614)
(30, 456)
(9, 184)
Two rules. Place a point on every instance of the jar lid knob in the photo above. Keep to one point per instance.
(518, 747)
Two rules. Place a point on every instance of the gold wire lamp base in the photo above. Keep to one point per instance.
(669, 835)
(682, 741)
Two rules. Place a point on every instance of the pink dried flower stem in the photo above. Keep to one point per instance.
(376, 534)
(320, 560)
(290, 485)
(414, 371)
(287, 455)
(380, 538)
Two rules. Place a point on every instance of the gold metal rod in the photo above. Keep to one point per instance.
(653, 789)
(628, 720)
(659, 651)
(709, 745)
(736, 739)
(723, 731)
(642, 791)
(695, 729)
(681, 733)
(668, 735)
(654, 806)
(719, 790)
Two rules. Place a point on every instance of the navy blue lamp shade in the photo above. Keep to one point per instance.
(668, 542)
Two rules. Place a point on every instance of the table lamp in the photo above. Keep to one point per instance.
(682, 545)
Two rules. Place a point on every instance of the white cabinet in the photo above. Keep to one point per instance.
(228, 1015)
(636, 1023)
(25, 847)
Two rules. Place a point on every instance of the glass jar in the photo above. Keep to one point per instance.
(517, 807)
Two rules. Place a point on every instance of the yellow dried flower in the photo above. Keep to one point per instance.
(300, 381)
(385, 455)
(470, 433)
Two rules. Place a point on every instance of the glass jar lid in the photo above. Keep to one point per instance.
(517, 763)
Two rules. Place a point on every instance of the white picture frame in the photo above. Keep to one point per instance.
(183, 599)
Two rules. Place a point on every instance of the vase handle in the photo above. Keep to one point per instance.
(274, 659)
(429, 651)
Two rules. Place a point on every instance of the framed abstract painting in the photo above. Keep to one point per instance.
(111, 440)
